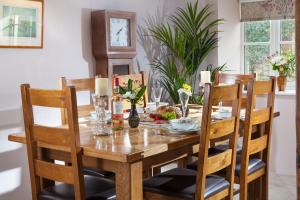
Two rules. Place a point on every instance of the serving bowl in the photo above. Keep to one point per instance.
(184, 124)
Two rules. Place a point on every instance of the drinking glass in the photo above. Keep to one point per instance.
(100, 105)
(157, 91)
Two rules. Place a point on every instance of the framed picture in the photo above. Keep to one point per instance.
(21, 23)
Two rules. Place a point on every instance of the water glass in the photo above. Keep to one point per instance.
(157, 91)
(100, 105)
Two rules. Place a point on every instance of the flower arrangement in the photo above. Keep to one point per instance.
(132, 93)
(285, 63)
(186, 89)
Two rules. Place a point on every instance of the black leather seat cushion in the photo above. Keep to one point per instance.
(95, 189)
(180, 182)
(98, 173)
(254, 164)
(223, 147)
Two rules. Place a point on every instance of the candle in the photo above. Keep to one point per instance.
(101, 86)
(205, 77)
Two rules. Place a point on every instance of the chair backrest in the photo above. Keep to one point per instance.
(211, 130)
(42, 138)
(262, 116)
(138, 79)
(227, 78)
(80, 85)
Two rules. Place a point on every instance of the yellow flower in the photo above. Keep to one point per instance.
(187, 87)
(281, 69)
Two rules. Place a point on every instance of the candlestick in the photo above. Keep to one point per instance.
(101, 86)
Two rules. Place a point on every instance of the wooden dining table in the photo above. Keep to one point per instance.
(128, 153)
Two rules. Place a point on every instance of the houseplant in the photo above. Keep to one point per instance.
(133, 94)
(186, 40)
(285, 65)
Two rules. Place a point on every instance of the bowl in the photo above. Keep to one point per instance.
(184, 124)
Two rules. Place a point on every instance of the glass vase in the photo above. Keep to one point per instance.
(134, 119)
(184, 100)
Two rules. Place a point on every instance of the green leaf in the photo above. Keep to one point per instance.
(130, 85)
(140, 93)
(122, 90)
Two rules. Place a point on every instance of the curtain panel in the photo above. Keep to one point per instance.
(267, 10)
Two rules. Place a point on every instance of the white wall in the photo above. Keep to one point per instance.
(229, 50)
(283, 143)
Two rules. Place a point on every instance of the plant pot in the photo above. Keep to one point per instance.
(281, 82)
(133, 119)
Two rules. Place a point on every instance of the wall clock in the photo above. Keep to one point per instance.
(114, 41)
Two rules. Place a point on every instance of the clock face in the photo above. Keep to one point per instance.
(119, 32)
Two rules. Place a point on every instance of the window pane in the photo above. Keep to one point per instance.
(257, 31)
(256, 60)
(285, 48)
(287, 31)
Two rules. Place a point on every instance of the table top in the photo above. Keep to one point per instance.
(128, 145)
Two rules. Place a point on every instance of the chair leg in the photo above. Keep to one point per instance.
(265, 187)
(243, 190)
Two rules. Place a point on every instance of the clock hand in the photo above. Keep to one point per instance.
(118, 33)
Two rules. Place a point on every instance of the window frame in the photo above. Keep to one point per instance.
(275, 43)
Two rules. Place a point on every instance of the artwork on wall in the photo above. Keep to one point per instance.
(21, 23)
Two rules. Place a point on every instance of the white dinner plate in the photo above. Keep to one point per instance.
(181, 131)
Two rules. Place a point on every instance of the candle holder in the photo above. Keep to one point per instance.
(100, 103)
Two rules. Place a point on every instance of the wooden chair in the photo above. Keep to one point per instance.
(253, 162)
(42, 139)
(138, 79)
(87, 84)
(182, 183)
(227, 78)
(80, 85)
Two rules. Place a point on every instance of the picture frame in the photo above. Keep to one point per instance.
(21, 23)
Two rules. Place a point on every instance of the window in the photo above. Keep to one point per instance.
(264, 38)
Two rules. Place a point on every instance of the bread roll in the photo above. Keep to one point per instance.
(163, 109)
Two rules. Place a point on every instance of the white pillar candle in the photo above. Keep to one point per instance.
(205, 77)
(101, 86)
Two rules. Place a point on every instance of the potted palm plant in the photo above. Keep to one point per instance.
(186, 39)
(285, 65)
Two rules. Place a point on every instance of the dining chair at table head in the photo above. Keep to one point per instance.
(41, 139)
(182, 183)
(254, 159)
(138, 80)
(87, 84)
(230, 78)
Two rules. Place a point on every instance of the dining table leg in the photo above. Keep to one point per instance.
(129, 181)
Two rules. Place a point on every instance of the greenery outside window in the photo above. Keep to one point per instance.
(262, 39)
